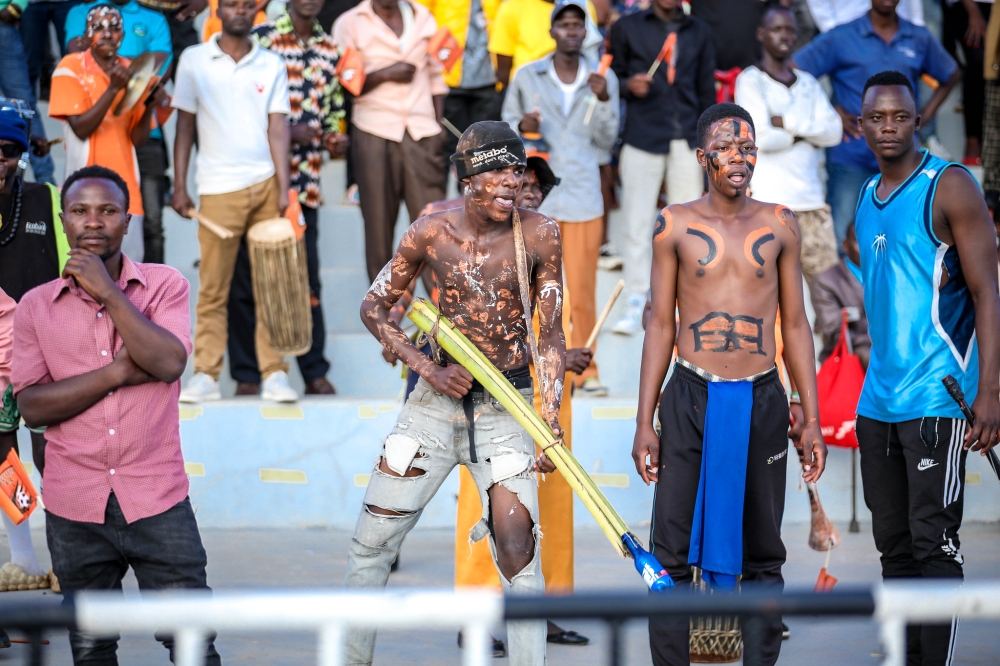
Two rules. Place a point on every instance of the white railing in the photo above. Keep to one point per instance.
(900, 603)
(191, 616)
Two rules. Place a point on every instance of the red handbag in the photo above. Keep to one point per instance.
(838, 383)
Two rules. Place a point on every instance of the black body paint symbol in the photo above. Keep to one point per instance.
(722, 332)
(755, 248)
(712, 249)
(661, 224)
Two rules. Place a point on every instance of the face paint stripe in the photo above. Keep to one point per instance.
(716, 247)
(757, 238)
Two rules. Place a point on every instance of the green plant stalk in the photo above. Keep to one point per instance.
(469, 356)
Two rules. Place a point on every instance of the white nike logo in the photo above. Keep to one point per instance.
(926, 463)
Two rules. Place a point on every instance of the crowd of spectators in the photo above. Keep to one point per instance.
(621, 135)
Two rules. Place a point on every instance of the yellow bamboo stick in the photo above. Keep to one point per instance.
(469, 356)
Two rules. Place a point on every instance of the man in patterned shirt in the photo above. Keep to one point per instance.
(317, 103)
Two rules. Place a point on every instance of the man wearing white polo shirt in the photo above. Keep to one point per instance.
(236, 93)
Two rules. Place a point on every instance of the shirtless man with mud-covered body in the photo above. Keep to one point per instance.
(472, 254)
(727, 262)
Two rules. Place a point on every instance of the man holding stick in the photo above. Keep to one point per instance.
(726, 262)
(449, 419)
(928, 266)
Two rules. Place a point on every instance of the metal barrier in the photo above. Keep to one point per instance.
(192, 616)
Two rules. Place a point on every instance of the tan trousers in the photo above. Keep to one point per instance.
(237, 212)
(819, 243)
(581, 243)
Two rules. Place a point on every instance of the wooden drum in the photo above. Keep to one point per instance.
(281, 285)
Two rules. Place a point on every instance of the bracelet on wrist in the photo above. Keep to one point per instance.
(794, 398)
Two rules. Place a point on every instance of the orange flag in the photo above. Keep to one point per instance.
(668, 53)
(351, 71)
(606, 59)
(18, 497)
(825, 582)
(444, 48)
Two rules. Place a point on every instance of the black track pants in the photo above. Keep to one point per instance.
(913, 475)
(682, 415)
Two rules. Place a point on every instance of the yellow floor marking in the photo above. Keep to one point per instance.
(973, 478)
(610, 480)
(282, 412)
(617, 412)
(194, 469)
(282, 476)
(188, 413)
(361, 480)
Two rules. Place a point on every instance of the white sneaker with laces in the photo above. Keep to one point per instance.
(200, 388)
(277, 389)
(631, 323)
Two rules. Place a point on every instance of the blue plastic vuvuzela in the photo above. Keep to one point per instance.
(656, 577)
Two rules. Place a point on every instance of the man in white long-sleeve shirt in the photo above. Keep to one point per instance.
(794, 121)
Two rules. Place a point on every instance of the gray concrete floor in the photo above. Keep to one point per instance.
(252, 559)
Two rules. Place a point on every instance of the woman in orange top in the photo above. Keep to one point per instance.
(86, 89)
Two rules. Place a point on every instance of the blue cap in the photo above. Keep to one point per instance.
(563, 4)
(13, 127)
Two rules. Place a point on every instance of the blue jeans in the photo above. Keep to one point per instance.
(842, 189)
(14, 83)
(164, 551)
(35, 32)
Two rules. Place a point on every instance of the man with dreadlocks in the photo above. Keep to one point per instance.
(449, 419)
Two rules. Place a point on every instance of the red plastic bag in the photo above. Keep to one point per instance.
(838, 383)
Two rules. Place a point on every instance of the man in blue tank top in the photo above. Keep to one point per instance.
(928, 263)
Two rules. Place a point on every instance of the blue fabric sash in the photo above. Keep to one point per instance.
(717, 530)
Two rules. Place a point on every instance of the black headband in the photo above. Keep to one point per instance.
(496, 146)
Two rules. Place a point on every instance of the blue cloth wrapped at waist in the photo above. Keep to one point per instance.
(717, 529)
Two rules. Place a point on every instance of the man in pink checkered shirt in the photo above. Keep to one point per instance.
(98, 355)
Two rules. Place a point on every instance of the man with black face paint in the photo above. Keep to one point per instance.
(725, 262)
(449, 419)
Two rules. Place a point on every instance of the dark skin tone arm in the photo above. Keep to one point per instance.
(277, 139)
(87, 122)
(800, 353)
(961, 219)
(140, 133)
(183, 143)
(504, 64)
(157, 355)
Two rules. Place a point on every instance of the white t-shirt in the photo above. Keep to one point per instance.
(828, 14)
(232, 101)
(787, 170)
(569, 89)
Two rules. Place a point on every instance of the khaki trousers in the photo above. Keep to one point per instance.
(237, 212)
(389, 172)
(581, 242)
(819, 243)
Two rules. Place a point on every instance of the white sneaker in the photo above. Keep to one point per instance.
(277, 389)
(593, 388)
(631, 323)
(609, 259)
(936, 148)
(201, 388)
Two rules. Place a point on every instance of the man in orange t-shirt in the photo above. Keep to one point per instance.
(86, 89)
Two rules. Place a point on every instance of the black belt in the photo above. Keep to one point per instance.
(520, 378)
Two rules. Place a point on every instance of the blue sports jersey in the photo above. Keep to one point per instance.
(920, 330)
